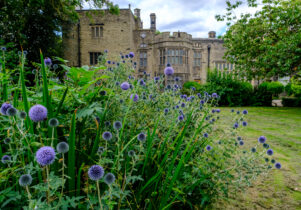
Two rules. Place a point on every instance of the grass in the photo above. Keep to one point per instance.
(280, 189)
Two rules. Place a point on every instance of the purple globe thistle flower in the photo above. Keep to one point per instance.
(126, 56)
(109, 62)
(261, 139)
(53, 122)
(109, 178)
(245, 112)
(238, 112)
(168, 71)
(3, 48)
(106, 51)
(38, 113)
(278, 165)
(270, 152)
(107, 135)
(232, 110)
(244, 123)
(122, 57)
(141, 137)
(25, 180)
(5, 107)
(218, 110)
(131, 153)
(117, 125)
(131, 54)
(156, 79)
(265, 145)
(239, 138)
(177, 79)
(125, 86)
(45, 155)
(206, 135)
(135, 97)
(208, 148)
(181, 118)
(11, 112)
(241, 142)
(47, 61)
(107, 123)
(95, 172)
(273, 161)
(213, 110)
(102, 92)
(62, 147)
(176, 86)
(183, 105)
(100, 150)
(22, 115)
(202, 102)
(236, 125)
(214, 95)
(141, 82)
(253, 149)
(123, 61)
(5, 159)
(193, 88)
(168, 65)
(166, 110)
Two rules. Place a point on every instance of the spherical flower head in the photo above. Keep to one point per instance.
(131, 55)
(253, 149)
(109, 62)
(214, 95)
(141, 82)
(25, 180)
(100, 150)
(62, 147)
(107, 135)
(177, 79)
(213, 110)
(53, 122)
(103, 93)
(126, 56)
(11, 112)
(131, 153)
(261, 139)
(238, 112)
(45, 155)
(232, 110)
(241, 142)
(5, 159)
(208, 148)
(156, 79)
(278, 165)
(183, 105)
(22, 115)
(235, 125)
(245, 112)
(141, 137)
(244, 123)
(3, 48)
(135, 97)
(273, 161)
(193, 88)
(7, 140)
(109, 178)
(168, 71)
(5, 107)
(206, 135)
(125, 86)
(38, 113)
(239, 138)
(270, 152)
(218, 110)
(117, 125)
(166, 110)
(168, 65)
(107, 123)
(106, 51)
(47, 61)
(95, 172)
(181, 118)
(202, 102)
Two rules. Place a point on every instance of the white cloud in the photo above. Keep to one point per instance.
(196, 17)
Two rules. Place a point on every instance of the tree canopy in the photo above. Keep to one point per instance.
(267, 44)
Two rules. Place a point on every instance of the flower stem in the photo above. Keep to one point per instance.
(63, 174)
(28, 193)
(47, 179)
(52, 138)
(98, 192)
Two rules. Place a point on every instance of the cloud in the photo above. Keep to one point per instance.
(196, 17)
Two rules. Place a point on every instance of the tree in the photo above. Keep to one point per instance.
(267, 44)
(39, 24)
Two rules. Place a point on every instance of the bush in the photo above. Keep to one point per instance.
(288, 89)
(263, 97)
(189, 85)
(152, 147)
(275, 88)
(291, 102)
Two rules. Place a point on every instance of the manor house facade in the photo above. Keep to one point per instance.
(120, 34)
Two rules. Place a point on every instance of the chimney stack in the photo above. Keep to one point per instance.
(137, 12)
(153, 21)
(212, 34)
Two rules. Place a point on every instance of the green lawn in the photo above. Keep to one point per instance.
(280, 189)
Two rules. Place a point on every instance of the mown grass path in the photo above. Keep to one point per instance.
(281, 189)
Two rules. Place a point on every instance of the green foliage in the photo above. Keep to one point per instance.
(291, 102)
(187, 87)
(263, 96)
(275, 88)
(288, 89)
(266, 44)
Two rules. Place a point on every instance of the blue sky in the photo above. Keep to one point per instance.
(196, 17)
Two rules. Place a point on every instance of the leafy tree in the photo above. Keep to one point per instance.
(267, 44)
(38, 24)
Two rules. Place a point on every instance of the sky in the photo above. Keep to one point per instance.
(196, 17)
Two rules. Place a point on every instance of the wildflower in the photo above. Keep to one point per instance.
(117, 125)
(238, 112)
(141, 137)
(109, 178)
(193, 88)
(121, 101)
(7, 140)
(270, 152)
(106, 51)
(239, 138)
(278, 165)
(205, 135)
(103, 93)
(135, 97)
(232, 110)
(141, 82)
(107, 135)
(109, 62)
(11, 111)
(100, 150)
(5, 107)
(25, 180)
(183, 105)
(5, 159)
(62, 147)
(241, 142)
(218, 110)
(95, 172)
(266, 159)
(208, 148)
(181, 118)
(3, 48)
(168, 71)
(131, 153)
(116, 83)
(273, 161)
(22, 115)
(53, 122)
(38, 113)
(265, 145)
(45, 155)
(261, 139)
(236, 125)
(107, 123)
(125, 86)
(47, 61)
(168, 65)
(245, 112)
(126, 56)
(253, 149)
(156, 79)
(214, 95)
(166, 110)
(213, 111)
(168, 87)
(244, 123)
(202, 102)
(131, 54)
(177, 79)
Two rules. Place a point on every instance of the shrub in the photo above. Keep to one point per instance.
(120, 153)
(189, 85)
(263, 97)
(275, 88)
(288, 89)
(291, 102)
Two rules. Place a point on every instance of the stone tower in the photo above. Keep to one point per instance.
(153, 21)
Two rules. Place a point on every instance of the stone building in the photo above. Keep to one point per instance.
(119, 34)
